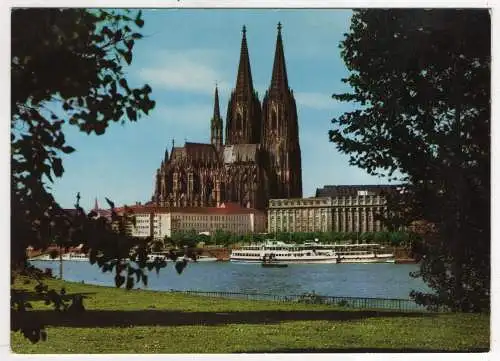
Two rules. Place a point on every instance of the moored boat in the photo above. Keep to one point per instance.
(70, 256)
(74, 256)
(282, 253)
(206, 259)
(313, 252)
(362, 253)
(274, 264)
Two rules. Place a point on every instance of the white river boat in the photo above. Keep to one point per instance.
(313, 252)
(282, 253)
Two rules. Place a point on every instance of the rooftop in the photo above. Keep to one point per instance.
(352, 190)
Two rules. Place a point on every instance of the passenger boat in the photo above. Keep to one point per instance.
(156, 256)
(70, 256)
(362, 253)
(314, 252)
(74, 256)
(43, 257)
(206, 259)
(282, 253)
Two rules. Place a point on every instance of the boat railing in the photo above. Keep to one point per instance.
(364, 303)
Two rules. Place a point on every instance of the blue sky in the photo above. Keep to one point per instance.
(183, 54)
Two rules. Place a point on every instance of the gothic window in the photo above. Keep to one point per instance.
(239, 121)
(274, 120)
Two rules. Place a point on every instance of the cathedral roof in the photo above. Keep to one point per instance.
(240, 153)
(192, 210)
(194, 152)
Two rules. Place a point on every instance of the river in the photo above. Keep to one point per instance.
(380, 280)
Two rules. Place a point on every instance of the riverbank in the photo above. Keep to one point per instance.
(143, 321)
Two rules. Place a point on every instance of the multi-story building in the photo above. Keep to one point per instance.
(300, 215)
(335, 208)
(158, 222)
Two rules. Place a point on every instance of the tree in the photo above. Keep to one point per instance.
(88, 89)
(422, 82)
(67, 69)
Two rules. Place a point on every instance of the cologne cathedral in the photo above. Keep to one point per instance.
(258, 158)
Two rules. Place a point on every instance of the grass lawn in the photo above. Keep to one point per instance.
(141, 321)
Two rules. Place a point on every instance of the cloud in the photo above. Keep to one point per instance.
(190, 70)
(191, 116)
(314, 100)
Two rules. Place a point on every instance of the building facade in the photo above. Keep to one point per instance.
(158, 222)
(334, 209)
(259, 158)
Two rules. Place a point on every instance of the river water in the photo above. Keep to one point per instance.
(380, 280)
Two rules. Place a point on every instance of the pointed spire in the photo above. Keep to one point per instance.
(96, 205)
(279, 78)
(244, 79)
(216, 104)
(166, 154)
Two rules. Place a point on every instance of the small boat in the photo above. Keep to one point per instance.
(70, 256)
(43, 257)
(274, 264)
(270, 261)
(75, 256)
(153, 256)
(206, 259)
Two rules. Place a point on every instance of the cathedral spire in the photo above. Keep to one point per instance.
(244, 79)
(279, 78)
(216, 104)
(216, 123)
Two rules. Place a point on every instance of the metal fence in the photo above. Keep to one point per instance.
(394, 304)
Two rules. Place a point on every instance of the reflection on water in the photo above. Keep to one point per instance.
(382, 280)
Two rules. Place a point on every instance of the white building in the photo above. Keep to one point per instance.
(158, 222)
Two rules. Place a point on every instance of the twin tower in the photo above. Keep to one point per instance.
(257, 159)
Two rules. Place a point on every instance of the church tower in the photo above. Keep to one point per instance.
(243, 121)
(280, 130)
(216, 124)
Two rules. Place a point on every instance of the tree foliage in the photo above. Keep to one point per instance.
(68, 69)
(421, 79)
(67, 65)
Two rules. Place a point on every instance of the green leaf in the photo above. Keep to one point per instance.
(123, 83)
(138, 21)
(129, 44)
(68, 149)
(180, 265)
(57, 167)
(128, 57)
(131, 114)
(137, 36)
(110, 203)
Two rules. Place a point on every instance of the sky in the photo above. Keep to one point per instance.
(183, 54)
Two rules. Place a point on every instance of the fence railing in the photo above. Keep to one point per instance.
(390, 304)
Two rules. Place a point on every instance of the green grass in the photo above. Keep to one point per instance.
(141, 321)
